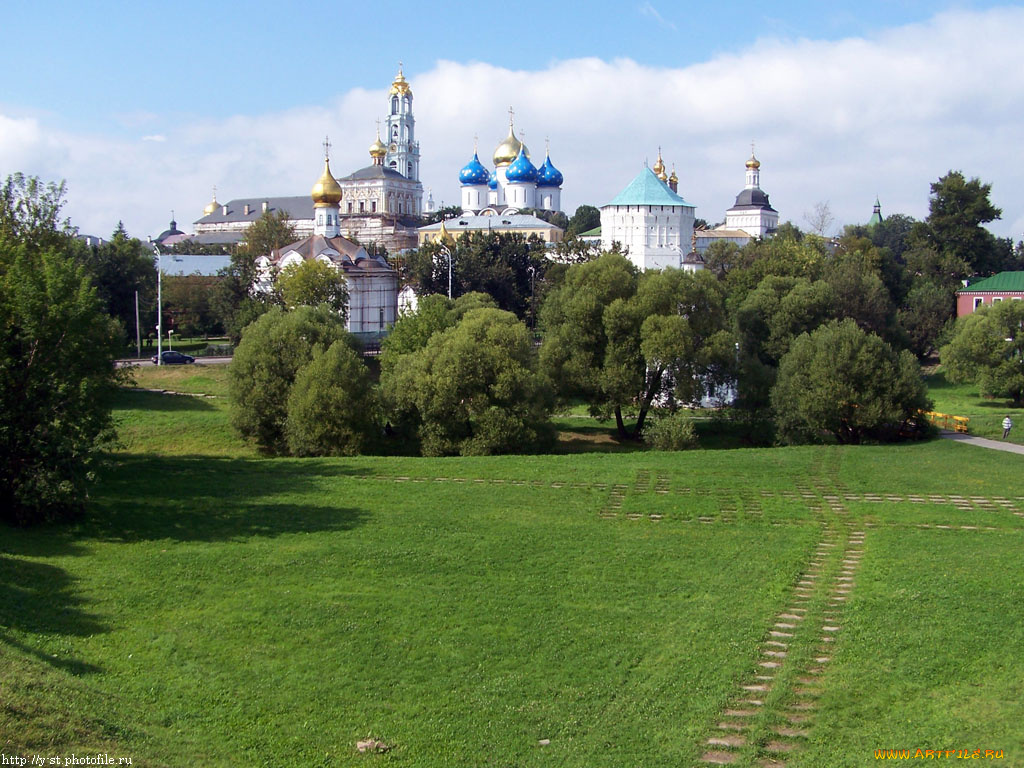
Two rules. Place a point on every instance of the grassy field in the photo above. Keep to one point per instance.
(986, 414)
(217, 608)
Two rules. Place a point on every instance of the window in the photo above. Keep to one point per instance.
(996, 298)
(373, 207)
(320, 220)
(394, 105)
(362, 207)
(381, 316)
(350, 206)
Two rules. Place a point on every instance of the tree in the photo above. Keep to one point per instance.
(119, 267)
(820, 219)
(988, 349)
(186, 305)
(332, 407)
(925, 315)
(506, 266)
(621, 341)
(57, 348)
(237, 302)
(273, 350)
(845, 381)
(475, 389)
(313, 282)
(586, 218)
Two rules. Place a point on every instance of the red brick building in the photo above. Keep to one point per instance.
(1006, 286)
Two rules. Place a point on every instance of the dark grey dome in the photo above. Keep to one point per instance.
(752, 198)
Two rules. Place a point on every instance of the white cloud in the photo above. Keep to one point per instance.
(155, 137)
(839, 121)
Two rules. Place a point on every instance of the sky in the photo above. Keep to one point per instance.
(143, 108)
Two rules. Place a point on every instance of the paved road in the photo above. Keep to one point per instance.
(983, 442)
(148, 362)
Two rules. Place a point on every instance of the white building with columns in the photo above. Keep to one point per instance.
(651, 222)
(752, 213)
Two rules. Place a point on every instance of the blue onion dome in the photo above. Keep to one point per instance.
(549, 176)
(493, 183)
(522, 170)
(474, 173)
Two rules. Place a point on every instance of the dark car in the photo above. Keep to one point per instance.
(170, 357)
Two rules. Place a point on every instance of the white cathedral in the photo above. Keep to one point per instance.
(515, 182)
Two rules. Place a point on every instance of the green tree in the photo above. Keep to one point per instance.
(186, 305)
(475, 389)
(586, 218)
(988, 349)
(847, 382)
(272, 351)
(57, 348)
(119, 267)
(767, 322)
(238, 301)
(313, 282)
(506, 266)
(925, 315)
(332, 407)
(623, 342)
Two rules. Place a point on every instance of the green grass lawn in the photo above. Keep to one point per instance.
(216, 608)
(986, 414)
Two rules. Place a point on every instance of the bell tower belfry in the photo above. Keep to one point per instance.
(403, 153)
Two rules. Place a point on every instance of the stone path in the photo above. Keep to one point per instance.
(983, 442)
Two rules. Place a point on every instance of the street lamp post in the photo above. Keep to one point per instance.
(533, 320)
(159, 307)
(448, 252)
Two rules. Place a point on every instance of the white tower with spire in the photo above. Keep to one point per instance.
(403, 153)
(752, 211)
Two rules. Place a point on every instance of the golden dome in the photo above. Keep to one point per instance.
(213, 205)
(400, 84)
(508, 150)
(753, 162)
(673, 178)
(659, 168)
(378, 149)
(327, 191)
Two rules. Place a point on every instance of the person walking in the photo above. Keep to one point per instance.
(1007, 426)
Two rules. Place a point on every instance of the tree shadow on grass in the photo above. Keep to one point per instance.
(204, 498)
(39, 599)
(143, 400)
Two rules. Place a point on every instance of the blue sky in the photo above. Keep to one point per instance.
(144, 106)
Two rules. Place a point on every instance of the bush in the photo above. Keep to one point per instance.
(847, 382)
(332, 407)
(474, 389)
(674, 432)
(272, 351)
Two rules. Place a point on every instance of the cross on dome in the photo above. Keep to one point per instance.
(327, 148)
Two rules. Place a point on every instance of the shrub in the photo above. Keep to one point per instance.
(332, 407)
(674, 432)
(847, 382)
(266, 362)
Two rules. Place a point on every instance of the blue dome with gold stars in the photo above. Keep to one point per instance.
(474, 173)
(548, 175)
(493, 183)
(522, 170)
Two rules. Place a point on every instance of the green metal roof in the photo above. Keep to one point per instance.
(595, 232)
(1004, 281)
(648, 189)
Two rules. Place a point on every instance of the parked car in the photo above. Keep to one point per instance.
(171, 357)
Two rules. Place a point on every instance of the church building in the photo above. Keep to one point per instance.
(515, 182)
(381, 203)
(372, 283)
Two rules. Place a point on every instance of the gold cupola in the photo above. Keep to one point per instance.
(659, 167)
(400, 85)
(213, 205)
(753, 163)
(378, 150)
(327, 191)
(508, 150)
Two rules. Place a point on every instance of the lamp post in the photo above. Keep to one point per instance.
(533, 320)
(448, 252)
(159, 307)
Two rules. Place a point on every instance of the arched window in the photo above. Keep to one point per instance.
(410, 171)
(394, 105)
(320, 220)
